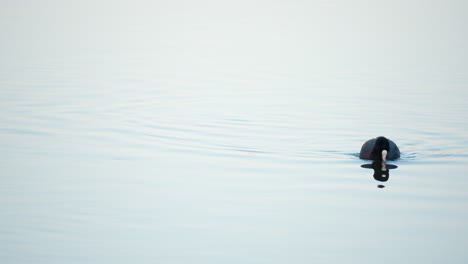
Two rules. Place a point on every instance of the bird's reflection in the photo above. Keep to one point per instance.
(381, 171)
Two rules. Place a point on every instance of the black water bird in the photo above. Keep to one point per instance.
(379, 149)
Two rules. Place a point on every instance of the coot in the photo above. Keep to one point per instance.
(379, 148)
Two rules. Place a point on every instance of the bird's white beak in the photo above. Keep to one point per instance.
(384, 155)
(384, 158)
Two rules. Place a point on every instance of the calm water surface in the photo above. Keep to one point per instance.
(208, 132)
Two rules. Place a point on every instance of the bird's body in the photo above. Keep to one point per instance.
(379, 148)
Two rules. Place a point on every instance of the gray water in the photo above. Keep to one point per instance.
(229, 132)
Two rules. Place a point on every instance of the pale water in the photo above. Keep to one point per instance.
(229, 132)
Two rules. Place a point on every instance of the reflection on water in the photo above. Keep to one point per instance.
(209, 132)
(381, 170)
